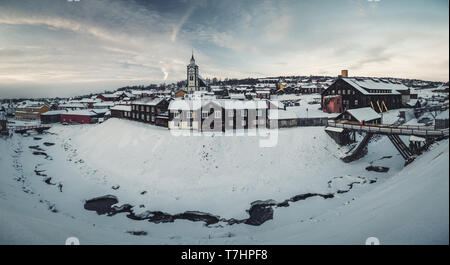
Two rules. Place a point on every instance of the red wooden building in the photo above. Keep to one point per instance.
(79, 116)
(332, 104)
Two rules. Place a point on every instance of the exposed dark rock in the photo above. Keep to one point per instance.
(101, 205)
(137, 233)
(283, 204)
(36, 147)
(259, 213)
(49, 181)
(116, 187)
(126, 208)
(43, 154)
(160, 217)
(377, 169)
(48, 144)
(198, 216)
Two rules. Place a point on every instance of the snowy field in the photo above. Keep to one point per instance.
(46, 179)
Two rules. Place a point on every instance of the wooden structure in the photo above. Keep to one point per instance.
(393, 132)
(147, 109)
(37, 128)
(379, 94)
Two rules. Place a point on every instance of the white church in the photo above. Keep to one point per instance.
(194, 81)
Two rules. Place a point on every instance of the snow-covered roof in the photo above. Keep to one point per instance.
(54, 112)
(72, 105)
(225, 103)
(334, 129)
(364, 114)
(109, 95)
(364, 85)
(443, 115)
(83, 112)
(98, 111)
(237, 96)
(104, 104)
(412, 102)
(148, 101)
(122, 107)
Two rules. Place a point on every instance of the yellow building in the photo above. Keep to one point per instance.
(30, 111)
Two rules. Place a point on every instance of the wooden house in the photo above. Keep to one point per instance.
(217, 115)
(362, 116)
(53, 116)
(147, 109)
(31, 110)
(379, 94)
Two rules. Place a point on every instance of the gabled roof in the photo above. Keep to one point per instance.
(148, 101)
(364, 85)
(443, 115)
(364, 114)
(84, 112)
(122, 107)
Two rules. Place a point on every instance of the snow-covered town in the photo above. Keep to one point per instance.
(272, 159)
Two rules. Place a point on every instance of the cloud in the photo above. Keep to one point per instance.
(106, 44)
(180, 24)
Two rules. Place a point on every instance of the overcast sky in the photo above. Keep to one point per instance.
(62, 48)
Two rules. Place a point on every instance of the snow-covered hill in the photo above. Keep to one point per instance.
(152, 170)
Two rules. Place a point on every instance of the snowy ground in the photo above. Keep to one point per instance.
(150, 169)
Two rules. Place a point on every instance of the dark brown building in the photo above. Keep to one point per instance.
(217, 115)
(147, 109)
(379, 94)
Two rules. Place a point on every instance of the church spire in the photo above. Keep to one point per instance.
(192, 58)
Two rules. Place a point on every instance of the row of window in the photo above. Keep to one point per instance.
(142, 108)
(139, 116)
(217, 114)
(343, 92)
(230, 123)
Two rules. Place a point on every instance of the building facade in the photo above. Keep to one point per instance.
(380, 95)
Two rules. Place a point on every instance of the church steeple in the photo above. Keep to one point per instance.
(192, 58)
(192, 75)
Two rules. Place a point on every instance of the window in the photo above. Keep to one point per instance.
(188, 114)
(243, 123)
(191, 78)
(356, 102)
(230, 123)
(176, 115)
(142, 116)
(205, 114)
(148, 109)
(148, 118)
(217, 114)
(259, 112)
(244, 113)
(262, 122)
(230, 113)
(153, 118)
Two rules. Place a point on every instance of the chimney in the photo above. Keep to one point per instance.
(344, 73)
